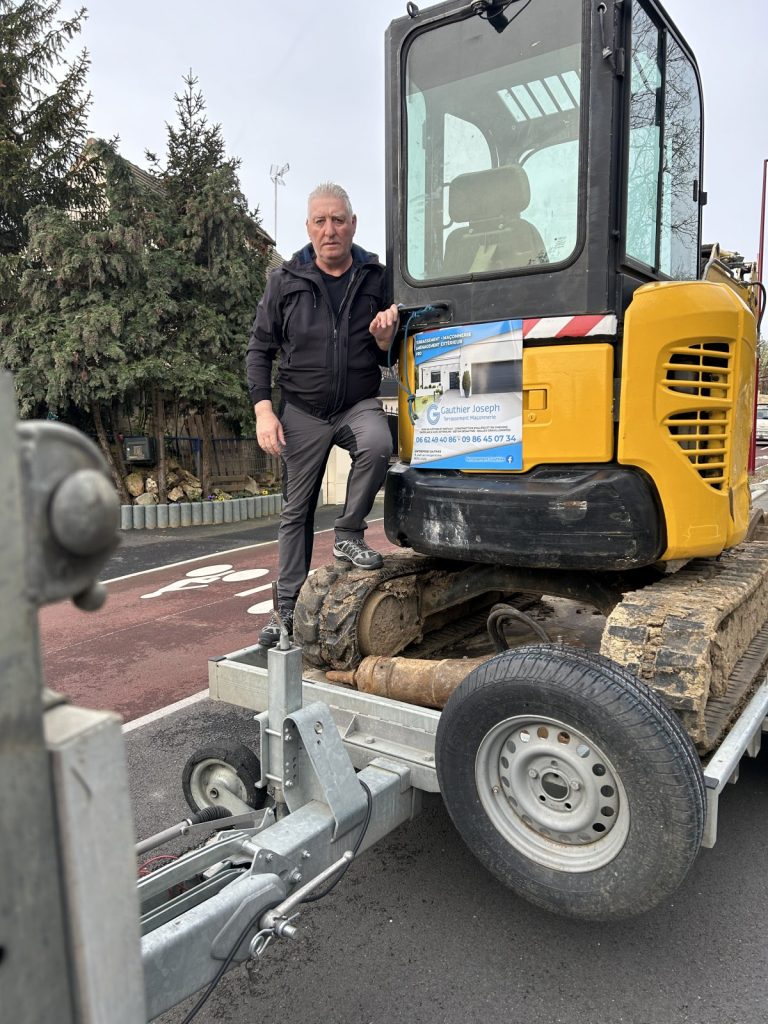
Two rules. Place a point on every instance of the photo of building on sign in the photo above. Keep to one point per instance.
(467, 408)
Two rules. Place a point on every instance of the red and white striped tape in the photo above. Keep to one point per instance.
(569, 326)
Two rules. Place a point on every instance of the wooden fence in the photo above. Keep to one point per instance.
(233, 459)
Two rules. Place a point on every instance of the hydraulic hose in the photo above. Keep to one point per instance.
(501, 613)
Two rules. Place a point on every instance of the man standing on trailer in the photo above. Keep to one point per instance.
(326, 313)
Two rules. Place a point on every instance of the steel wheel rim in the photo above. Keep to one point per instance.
(552, 793)
(213, 782)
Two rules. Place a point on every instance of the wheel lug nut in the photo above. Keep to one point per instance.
(575, 785)
(533, 773)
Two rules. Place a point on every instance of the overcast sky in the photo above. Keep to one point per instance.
(302, 82)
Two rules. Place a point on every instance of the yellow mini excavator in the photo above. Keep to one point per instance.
(576, 405)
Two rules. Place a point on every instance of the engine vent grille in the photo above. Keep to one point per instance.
(703, 373)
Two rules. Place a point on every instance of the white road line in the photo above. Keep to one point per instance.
(216, 554)
(188, 561)
(154, 716)
(256, 590)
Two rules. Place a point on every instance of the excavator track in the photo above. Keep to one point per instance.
(343, 614)
(698, 637)
(327, 615)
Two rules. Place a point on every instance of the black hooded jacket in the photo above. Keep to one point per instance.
(327, 363)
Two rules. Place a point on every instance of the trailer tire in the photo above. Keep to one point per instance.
(212, 773)
(571, 782)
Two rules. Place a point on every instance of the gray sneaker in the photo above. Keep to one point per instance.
(270, 634)
(356, 551)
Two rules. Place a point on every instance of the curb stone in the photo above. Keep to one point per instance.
(200, 513)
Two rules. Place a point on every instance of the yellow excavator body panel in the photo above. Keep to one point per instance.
(567, 404)
(687, 391)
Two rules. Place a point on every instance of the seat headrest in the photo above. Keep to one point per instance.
(496, 194)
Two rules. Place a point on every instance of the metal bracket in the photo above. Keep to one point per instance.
(265, 860)
(236, 847)
(262, 720)
(264, 889)
(325, 772)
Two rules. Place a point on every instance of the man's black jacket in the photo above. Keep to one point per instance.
(327, 363)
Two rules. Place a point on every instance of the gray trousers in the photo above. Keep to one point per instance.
(364, 432)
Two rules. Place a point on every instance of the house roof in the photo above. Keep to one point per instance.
(145, 179)
(151, 183)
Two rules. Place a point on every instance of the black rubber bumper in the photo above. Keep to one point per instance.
(554, 517)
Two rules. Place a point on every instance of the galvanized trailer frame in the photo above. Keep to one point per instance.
(371, 727)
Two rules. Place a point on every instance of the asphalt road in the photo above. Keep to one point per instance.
(189, 597)
(417, 932)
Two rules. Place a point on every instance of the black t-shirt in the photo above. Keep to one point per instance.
(336, 287)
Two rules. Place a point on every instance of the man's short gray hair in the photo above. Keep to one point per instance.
(329, 189)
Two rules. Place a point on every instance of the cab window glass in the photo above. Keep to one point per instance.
(555, 169)
(493, 144)
(680, 174)
(662, 212)
(416, 183)
(466, 150)
(644, 141)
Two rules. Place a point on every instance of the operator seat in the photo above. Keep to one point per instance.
(495, 237)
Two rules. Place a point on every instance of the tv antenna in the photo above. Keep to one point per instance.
(276, 174)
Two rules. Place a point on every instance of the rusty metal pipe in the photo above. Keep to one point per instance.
(415, 681)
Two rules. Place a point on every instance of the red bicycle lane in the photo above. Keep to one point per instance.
(149, 645)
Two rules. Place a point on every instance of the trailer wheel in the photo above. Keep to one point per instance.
(571, 782)
(213, 775)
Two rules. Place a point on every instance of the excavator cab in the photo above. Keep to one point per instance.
(576, 388)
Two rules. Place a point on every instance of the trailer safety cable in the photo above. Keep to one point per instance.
(415, 314)
(145, 868)
(225, 964)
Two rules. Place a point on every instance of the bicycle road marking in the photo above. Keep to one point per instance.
(189, 561)
(136, 640)
(197, 579)
(217, 554)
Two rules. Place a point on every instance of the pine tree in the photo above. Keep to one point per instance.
(43, 117)
(43, 128)
(88, 325)
(218, 268)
